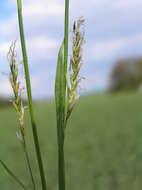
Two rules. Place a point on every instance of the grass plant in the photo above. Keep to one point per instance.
(66, 94)
(66, 91)
(18, 104)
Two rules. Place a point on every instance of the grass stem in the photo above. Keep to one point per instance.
(66, 37)
(29, 93)
(61, 125)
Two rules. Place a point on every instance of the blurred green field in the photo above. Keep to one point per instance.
(103, 144)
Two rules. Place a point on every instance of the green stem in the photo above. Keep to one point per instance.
(29, 93)
(13, 175)
(29, 164)
(61, 162)
(66, 36)
(61, 127)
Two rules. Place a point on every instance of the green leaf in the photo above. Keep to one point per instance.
(12, 175)
(60, 112)
(59, 88)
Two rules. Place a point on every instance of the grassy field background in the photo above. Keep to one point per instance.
(103, 144)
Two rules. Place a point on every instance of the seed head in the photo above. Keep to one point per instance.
(15, 84)
(75, 64)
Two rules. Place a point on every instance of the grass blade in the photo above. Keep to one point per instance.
(29, 165)
(12, 175)
(59, 92)
(66, 36)
(28, 85)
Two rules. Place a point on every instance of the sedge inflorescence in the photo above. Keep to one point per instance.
(76, 60)
(17, 90)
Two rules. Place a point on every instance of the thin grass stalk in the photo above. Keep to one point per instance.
(62, 175)
(66, 39)
(29, 164)
(13, 175)
(29, 93)
(62, 107)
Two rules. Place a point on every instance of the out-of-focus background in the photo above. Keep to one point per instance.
(103, 144)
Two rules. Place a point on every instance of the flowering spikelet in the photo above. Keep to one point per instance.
(15, 84)
(75, 64)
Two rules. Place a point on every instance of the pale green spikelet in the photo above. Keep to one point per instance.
(75, 64)
(15, 84)
(18, 103)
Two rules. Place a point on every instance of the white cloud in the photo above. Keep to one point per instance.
(108, 49)
(42, 47)
(5, 88)
(96, 81)
(35, 13)
(4, 47)
(38, 9)
(127, 4)
(39, 47)
(42, 84)
(7, 27)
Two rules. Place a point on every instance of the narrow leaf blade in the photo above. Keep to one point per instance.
(60, 112)
(59, 86)
(12, 175)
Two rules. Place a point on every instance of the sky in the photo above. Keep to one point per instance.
(113, 30)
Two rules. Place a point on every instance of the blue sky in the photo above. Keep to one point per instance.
(113, 31)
